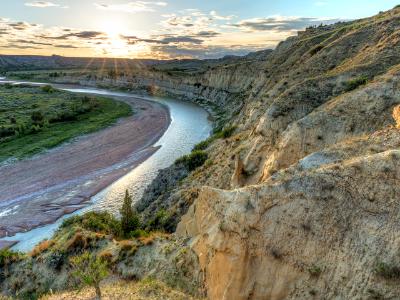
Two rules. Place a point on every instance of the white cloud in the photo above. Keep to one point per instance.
(132, 7)
(280, 23)
(321, 3)
(41, 4)
(215, 16)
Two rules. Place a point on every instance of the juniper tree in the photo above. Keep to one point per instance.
(129, 219)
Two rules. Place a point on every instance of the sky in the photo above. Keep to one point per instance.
(165, 29)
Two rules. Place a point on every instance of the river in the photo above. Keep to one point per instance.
(189, 125)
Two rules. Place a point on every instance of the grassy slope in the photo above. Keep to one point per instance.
(20, 102)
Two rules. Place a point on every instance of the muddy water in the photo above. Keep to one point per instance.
(189, 125)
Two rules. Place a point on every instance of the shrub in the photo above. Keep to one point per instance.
(226, 132)
(194, 160)
(102, 222)
(159, 221)
(90, 270)
(7, 256)
(315, 270)
(47, 89)
(37, 118)
(203, 144)
(316, 49)
(388, 271)
(70, 221)
(355, 83)
(138, 233)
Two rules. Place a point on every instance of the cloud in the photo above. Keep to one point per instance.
(201, 52)
(193, 18)
(166, 39)
(32, 42)
(131, 7)
(21, 25)
(18, 46)
(78, 35)
(67, 46)
(280, 23)
(215, 16)
(41, 4)
(207, 33)
(321, 3)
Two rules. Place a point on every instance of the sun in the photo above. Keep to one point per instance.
(112, 28)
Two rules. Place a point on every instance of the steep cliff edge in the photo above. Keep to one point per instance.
(315, 213)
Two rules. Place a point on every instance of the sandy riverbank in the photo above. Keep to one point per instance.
(38, 191)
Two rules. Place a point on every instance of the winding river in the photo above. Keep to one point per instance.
(189, 125)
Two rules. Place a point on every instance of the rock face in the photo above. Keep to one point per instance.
(316, 214)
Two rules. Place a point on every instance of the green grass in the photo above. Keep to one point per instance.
(33, 119)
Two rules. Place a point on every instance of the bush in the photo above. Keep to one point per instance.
(47, 89)
(90, 270)
(193, 160)
(355, 83)
(139, 233)
(204, 144)
(159, 221)
(388, 271)
(70, 221)
(102, 222)
(315, 270)
(7, 256)
(226, 132)
(37, 118)
(316, 49)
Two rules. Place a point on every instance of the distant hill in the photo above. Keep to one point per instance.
(56, 62)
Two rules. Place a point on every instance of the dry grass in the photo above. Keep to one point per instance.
(78, 241)
(144, 290)
(41, 247)
(126, 245)
(106, 255)
(148, 240)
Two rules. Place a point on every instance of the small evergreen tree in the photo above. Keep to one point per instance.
(90, 270)
(129, 219)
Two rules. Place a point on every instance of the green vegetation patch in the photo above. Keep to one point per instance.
(388, 270)
(355, 83)
(222, 134)
(33, 119)
(193, 160)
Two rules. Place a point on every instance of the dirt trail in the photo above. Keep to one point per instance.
(39, 190)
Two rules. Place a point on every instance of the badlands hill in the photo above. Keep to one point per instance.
(300, 195)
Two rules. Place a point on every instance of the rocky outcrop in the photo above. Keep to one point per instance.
(312, 212)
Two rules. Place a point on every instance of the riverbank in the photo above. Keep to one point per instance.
(38, 191)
